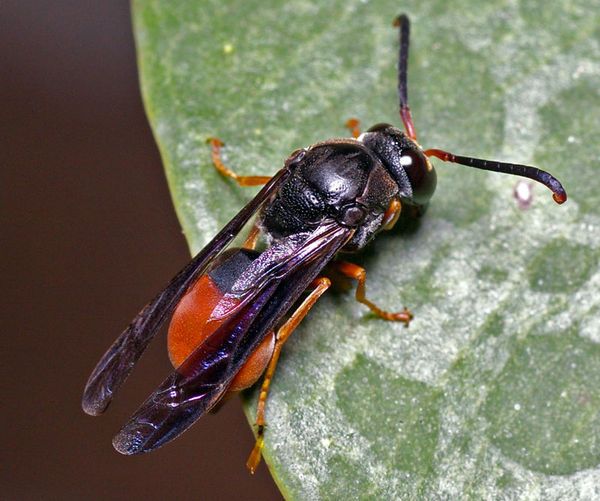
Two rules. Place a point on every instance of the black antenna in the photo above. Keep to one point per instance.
(539, 175)
(404, 24)
(559, 193)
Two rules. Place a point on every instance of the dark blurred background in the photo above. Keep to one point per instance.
(88, 237)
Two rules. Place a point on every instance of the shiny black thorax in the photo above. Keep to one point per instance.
(338, 180)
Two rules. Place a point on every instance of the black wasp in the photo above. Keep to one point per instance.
(232, 309)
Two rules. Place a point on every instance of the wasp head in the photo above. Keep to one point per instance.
(405, 161)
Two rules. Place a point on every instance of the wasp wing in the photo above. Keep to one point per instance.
(200, 382)
(119, 360)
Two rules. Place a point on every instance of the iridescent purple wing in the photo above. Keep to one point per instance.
(203, 378)
(119, 360)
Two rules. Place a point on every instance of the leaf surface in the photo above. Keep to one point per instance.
(494, 389)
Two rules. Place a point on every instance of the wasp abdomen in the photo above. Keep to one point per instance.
(192, 323)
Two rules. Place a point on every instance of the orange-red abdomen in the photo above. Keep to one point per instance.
(190, 326)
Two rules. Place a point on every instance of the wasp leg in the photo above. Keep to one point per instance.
(220, 166)
(354, 125)
(392, 214)
(216, 144)
(320, 285)
(351, 270)
(252, 237)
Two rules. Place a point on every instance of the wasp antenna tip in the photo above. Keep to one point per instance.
(402, 18)
(560, 198)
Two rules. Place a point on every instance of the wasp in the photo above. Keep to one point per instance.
(232, 309)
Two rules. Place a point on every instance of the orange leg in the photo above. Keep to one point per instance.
(391, 214)
(320, 286)
(220, 166)
(216, 144)
(353, 124)
(351, 270)
(252, 238)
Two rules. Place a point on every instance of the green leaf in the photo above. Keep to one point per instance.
(494, 389)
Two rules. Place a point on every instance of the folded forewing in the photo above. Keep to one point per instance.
(199, 383)
(120, 358)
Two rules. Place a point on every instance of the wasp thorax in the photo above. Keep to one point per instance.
(340, 180)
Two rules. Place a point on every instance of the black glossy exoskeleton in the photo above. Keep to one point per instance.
(232, 309)
(343, 180)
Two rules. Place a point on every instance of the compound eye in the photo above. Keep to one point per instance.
(380, 127)
(421, 175)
